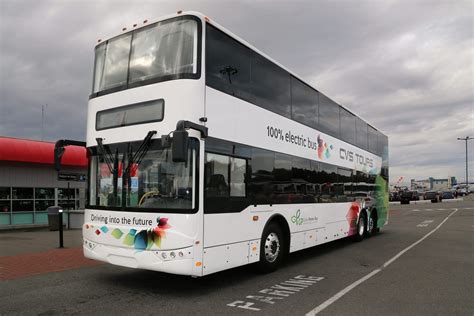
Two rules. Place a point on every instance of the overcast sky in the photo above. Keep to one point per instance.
(405, 66)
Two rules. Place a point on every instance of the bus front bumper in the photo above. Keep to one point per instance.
(177, 261)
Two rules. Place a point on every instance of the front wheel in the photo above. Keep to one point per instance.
(271, 248)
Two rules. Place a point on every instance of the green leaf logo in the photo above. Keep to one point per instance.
(296, 218)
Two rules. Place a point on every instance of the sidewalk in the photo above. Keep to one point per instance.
(35, 252)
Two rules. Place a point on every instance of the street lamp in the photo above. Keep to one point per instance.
(467, 178)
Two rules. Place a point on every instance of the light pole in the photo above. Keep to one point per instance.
(467, 177)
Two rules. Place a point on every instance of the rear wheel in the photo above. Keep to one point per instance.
(272, 246)
(360, 228)
(372, 224)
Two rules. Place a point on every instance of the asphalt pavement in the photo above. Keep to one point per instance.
(421, 263)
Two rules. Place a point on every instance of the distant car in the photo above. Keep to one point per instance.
(407, 196)
(447, 195)
(434, 196)
(394, 196)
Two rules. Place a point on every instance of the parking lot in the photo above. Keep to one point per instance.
(419, 264)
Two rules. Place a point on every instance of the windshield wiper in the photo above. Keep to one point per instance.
(112, 164)
(105, 153)
(134, 159)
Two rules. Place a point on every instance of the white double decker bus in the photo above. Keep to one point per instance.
(206, 154)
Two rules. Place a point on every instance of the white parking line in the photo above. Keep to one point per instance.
(346, 290)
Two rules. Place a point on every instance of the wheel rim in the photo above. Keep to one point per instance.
(361, 226)
(272, 247)
(371, 224)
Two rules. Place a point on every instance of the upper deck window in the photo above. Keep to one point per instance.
(163, 51)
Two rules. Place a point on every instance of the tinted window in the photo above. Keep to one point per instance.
(314, 172)
(4, 193)
(304, 103)
(42, 205)
(348, 126)
(327, 180)
(271, 86)
(138, 113)
(224, 184)
(227, 64)
(344, 184)
(22, 193)
(22, 206)
(282, 170)
(217, 176)
(238, 168)
(382, 143)
(262, 166)
(283, 187)
(64, 194)
(44, 193)
(4, 206)
(217, 145)
(372, 139)
(361, 133)
(328, 115)
(301, 168)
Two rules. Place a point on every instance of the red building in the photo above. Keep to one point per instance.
(29, 183)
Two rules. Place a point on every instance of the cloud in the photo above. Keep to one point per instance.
(406, 67)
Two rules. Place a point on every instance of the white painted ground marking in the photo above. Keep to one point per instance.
(441, 209)
(416, 210)
(468, 208)
(276, 292)
(427, 209)
(425, 223)
(346, 290)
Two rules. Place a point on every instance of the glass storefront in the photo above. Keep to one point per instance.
(22, 206)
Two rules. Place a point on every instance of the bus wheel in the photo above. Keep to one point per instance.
(271, 248)
(372, 224)
(360, 228)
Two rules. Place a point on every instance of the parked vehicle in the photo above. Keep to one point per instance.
(407, 196)
(434, 196)
(394, 196)
(447, 195)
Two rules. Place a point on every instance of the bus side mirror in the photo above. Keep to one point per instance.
(179, 146)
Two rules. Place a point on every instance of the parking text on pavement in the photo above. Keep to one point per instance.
(276, 292)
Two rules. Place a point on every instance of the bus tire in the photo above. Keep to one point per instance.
(361, 227)
(372, 224)
(272, 248)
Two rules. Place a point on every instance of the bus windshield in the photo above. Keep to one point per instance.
(162, 51)
(153, 183)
